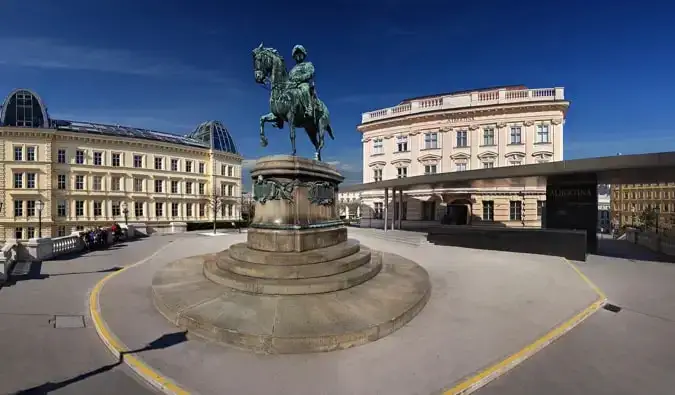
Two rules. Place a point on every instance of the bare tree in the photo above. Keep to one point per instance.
(215, 201)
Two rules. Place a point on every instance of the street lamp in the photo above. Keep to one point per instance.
(125, 211)
(39, 206)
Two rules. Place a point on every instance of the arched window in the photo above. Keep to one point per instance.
(23, 108)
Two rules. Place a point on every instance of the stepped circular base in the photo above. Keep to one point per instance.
(285, 324)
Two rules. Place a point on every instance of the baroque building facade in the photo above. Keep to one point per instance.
(463, 131)
(629, 202)
(58, 176)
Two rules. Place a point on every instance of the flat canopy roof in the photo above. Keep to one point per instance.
(619, 169)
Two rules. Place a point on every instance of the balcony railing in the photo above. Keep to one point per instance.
(462, 100)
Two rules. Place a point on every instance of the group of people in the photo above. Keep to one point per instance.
(97, 238)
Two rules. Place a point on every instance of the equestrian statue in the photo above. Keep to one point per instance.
(293, 98)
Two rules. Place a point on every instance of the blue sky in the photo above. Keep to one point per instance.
(169, 65)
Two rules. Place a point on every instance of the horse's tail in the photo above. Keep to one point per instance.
(329, 129)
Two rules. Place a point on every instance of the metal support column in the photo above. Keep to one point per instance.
(400, 208)
(384, 207)
(394, 210)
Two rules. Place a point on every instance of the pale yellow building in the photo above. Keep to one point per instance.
(83, 174)
(486, 128)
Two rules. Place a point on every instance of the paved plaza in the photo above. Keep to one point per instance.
(484, 307)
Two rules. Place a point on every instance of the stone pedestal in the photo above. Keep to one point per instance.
(298, 284)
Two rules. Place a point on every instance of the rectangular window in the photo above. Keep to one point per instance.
(223, 210)
(403, 207)
(116, 159)
(402, 172)
(98, 209)
(462, 138)
(460, 166)
(98, 158)
(61, 156)
(515, 162)
(18, 153)
(201, 188)
(378, 146)
(61, 181)
(159, 209)
(402, 143)
(188, 166)
(60, 231)
(30, 208)
(31, 180)
(18, 180)
(202, 209)
(377, 175)
(115, 184)
(30, 154)
(138, 184)
(159, 163)
(138, 161)
(488, 210)
(97, 183)
(188, 209)
(116, 209)
(230, 190)
(543, 134)
(174, 209)
(230, 171)
(541, 205)
(79, 182)
(188, 187)
(174, 186)
(79, 208)
(174, 164)
(61, 210)
(159, 184)
(230, 210)
(30, 232)
(138, 209)
(202, 168)
(488, 136)
(431, 140)
(516, 135)
(429, 169)
(516, 210)
(79, 157)
(488, 164)
(18, 233)
(378, 211)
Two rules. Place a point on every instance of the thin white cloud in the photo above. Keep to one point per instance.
(49, 54)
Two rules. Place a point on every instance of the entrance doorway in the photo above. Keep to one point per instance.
(456, 214)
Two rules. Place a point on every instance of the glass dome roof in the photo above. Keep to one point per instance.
(216, 135)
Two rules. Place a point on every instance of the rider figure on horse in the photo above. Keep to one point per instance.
(301, 77)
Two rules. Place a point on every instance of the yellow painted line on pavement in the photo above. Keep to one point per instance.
(153, 377)
(481, 379)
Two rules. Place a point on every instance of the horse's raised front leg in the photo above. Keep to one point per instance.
(267, 118)
(291, 127)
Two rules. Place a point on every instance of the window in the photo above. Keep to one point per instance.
(116, 209)
(79, 228)
(60, 231)
(429, 211)
(61, 156)
(98, 158)
(516, 210)
(516, 135)
(159, 162)
(158, 186)
(18, 153)
(230, 210)
(159, 209)
(541, 205)
(488, 210)
(188, 166)
(30, 232)
(31, 180)
(542, 134)
(201, 187)
(461, 166)
(97, 182)
(403, 207)
(202, 209)
(230, 171)
(378, 146)
(61, 210)
(18, 233)
(188, 209)
(174, 164)
(377, 175)
(202, 168)
(431, 140)
(174, 209)
(402, 143)
(79, 208)
(462, 138)
(488, 136)
(378, 212)
(30, 208)
(79, 182)
(174, 186)
(116, 159)
(18, 180)
(223, 210)
(79, 157)
(230, 190)
(188, 187)
(488, 164)
(138, 161)
(98, 209)
(402, 172)
(429, 169)
(115, 183)
(61, 181)
(138, 184)
(515, 162)
(138, 209)
(30, 154)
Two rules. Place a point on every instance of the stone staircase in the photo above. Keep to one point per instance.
(399, 236)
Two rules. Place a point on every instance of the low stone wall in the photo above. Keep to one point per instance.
(653, 241)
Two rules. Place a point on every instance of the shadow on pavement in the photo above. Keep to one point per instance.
(33, 272)
(627, 250)
(164, 341)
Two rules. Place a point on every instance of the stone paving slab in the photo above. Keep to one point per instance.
(484, 306)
